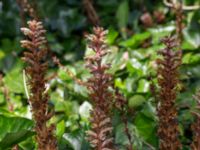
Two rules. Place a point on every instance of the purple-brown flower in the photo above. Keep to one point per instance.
(100, 135)
(36, 70)
(168, 65)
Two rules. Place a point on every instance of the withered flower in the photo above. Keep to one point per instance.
(36, 70)
(168, 131)
(100, 134)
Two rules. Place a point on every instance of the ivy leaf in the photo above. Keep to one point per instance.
(112, 35)
(14, 130)
(135, 40)
(146, 128)
(60, 129)
(14, 80)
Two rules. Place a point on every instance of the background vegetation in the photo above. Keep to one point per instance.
(135, 29)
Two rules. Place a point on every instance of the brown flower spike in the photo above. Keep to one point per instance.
(100, 134)
(36, 69)
(168, 131)
(196, 125)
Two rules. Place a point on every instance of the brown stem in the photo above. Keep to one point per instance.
(178, 8)
(126, 130)
(121, 105)
(91, 12)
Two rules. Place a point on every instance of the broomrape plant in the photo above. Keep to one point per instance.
(124, 114)
(168, 65)
(100, 135)
(36, 70)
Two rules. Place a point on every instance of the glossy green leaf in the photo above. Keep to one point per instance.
(74, 140)
(146, 128)
(60, 129)
(84, 109)
(14, 80)
(135, 40)
(112, 35)
(14, 130)
(121, 137)
(143, 86)
(149, 110)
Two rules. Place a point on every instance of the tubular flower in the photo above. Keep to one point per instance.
(168, 131)
(36, 69)
(100, 134)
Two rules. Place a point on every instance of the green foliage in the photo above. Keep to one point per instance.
(133, 50)
(14, 130)
(146, 128)
(14, 79)
(135, 40)
(136, 100)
